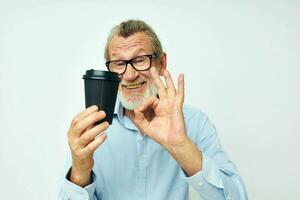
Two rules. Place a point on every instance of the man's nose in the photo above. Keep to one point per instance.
(130, 74)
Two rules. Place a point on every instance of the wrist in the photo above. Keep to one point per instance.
(81, 178)
(178, 147)
(188, 156)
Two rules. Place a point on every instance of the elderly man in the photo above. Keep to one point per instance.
(155, 147)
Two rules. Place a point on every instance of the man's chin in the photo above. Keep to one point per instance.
(130, 105)
(132, 102)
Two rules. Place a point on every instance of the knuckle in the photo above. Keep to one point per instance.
(75, 122)
(86, 137)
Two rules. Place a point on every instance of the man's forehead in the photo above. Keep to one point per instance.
(138, 42)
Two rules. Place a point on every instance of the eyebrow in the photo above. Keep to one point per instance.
(139, 51)
(134, 54)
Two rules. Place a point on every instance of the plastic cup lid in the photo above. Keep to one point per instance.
(99, 74)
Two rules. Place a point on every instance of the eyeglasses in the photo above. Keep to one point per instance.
(139, 63)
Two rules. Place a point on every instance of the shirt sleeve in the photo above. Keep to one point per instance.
(219, 178)
(71, 191)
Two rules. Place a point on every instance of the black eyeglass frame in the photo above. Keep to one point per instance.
(130, 61)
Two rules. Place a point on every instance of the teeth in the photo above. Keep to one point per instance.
(133, 86)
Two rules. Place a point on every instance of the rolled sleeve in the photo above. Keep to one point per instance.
(207, 181)
(71, 191)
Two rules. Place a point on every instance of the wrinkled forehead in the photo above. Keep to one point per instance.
(125, 48)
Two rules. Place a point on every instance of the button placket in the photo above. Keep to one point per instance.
(141, 183)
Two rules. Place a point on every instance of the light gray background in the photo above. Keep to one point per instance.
(241, 61)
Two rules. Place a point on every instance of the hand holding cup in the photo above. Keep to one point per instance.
(84, 137)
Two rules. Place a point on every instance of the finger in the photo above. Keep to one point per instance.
(158, 83)
(139, 117)
(140, 120)
(88, 121)
(85, 113)
(180, 92)
(170, 84)
(91, 134)
(91, 147)
(151, 102)
(90, 127)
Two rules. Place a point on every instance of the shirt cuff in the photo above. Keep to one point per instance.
(75, 192)
(207, 178)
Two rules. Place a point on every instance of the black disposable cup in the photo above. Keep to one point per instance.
(101, 88)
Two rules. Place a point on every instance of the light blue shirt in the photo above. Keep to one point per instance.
(129, 166)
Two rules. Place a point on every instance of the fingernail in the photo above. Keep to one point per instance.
(93, 107)
(102, 112)
(98, 137)
(103, 133)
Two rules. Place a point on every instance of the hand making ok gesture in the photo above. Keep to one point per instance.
(167, 126)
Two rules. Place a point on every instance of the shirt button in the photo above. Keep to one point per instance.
(228, 197)
(200, 183)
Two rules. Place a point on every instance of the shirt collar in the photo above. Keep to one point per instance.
(124, 120)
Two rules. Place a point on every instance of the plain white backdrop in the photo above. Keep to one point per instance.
(241, 62)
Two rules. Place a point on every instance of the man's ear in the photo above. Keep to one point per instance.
(163, 63)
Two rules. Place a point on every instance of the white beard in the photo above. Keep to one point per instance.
(132, 104)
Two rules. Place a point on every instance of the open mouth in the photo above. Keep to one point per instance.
(134, 86)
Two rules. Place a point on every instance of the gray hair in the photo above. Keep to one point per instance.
(130, 27)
